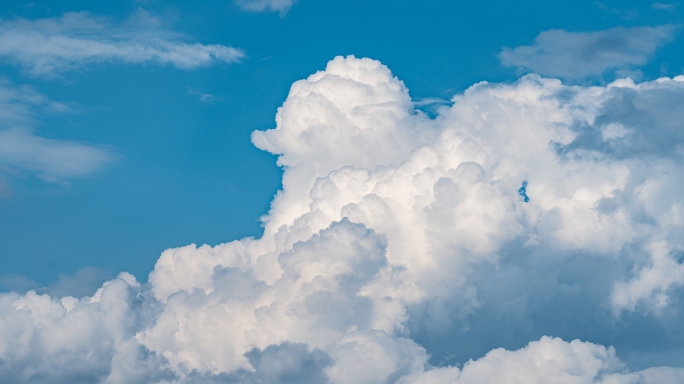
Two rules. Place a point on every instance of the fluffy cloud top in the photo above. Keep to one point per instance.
(46, 47)
(400, 250)
(577, 55)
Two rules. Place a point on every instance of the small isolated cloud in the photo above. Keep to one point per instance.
(578, 55)
(281, 6)
(204, 97)
(46, 47)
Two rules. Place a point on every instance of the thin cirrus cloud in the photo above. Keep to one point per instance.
(47, 47)
(578, 55)
(281, 6)
(51, 160)
(664, 6)
(50, 47)
(400, 250)
(22, 150)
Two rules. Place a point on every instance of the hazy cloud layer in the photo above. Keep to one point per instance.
(46, 47)
(577, 55)
(471, 247)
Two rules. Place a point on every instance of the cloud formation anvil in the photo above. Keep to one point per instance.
(398, 236)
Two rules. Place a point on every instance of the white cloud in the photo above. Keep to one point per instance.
(577, 55)
(548, 360)
(398, 238)
(46, 47)
(265, 5)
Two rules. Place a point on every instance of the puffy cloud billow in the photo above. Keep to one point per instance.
(529, 233)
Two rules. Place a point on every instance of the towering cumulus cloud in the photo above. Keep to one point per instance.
(530, 233)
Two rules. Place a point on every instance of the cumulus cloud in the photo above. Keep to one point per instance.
(578, 55)
(265, 5)
(548, 360)
(402, 250)
(46, 47)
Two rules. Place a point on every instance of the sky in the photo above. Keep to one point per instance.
(257, 191)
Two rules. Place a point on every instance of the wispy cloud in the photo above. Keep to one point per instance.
(203, 96)
(22, 150)
(578, 55)
(46, 47)
(664, 6)
(51, 159)
(17, 103)
(281, 6)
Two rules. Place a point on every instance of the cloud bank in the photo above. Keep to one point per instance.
(47, 47)
(402, 250)
(577, 55)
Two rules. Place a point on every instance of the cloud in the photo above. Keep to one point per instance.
(548, 360)
(664, 6)
(578, 55)
(204, 97)
(50, 159)
(19, 103)
(22, 150)
(47, 47)
(401, 250)
(281, 6)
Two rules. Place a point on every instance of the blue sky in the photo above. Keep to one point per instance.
(346, 203)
